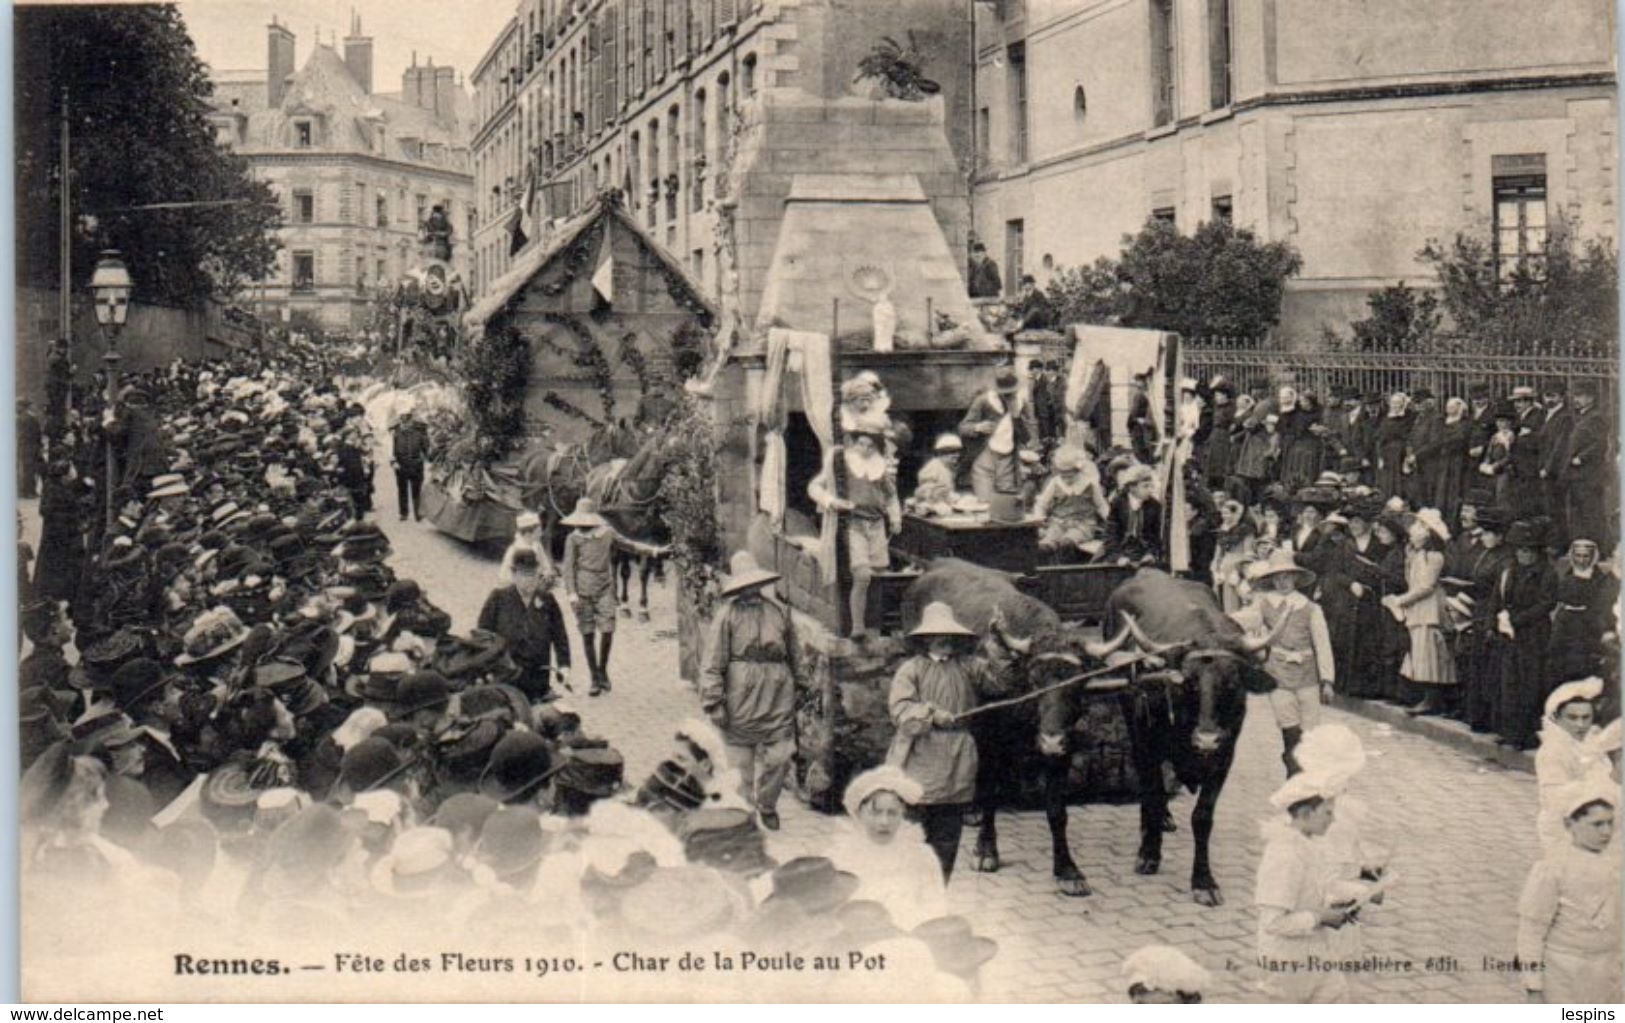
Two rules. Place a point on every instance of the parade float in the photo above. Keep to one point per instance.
(571, 359)
(845, 223)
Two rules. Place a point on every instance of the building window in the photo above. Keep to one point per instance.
(1162, 61)
(423, 208)
(381, 272)
(747, 75)
(1015, 233)
(674, 151)
(304, 271)
(381, 202)
(361, 275)
(302, 134)
(1165, 215)
(696, 264)
(1520, 212)
(700, 144)
(984, 127)
(360, 203)
(1224, 209)
(304, 207)
(1017, 56)
(1218, 51)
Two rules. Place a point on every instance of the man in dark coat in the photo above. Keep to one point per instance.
(1587, 468)
(355, 475)
(1554, 443)
(1481, 410)
(28, 449)
(409, 454)
(983, 276)
(528, 619)
(138, 441)
(1525, 489)
(1144, 433)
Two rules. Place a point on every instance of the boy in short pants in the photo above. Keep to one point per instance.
(872, 512)
(589, 579)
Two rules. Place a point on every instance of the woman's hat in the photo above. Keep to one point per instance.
(726, 838)
(675, 903)
(585, 515)
(1137, 473)
(938, 620)
(519, 764)
(954, 947)
(672, 785)
(1005, 381)
(1279, 562)
(510, 841)
(372, 763)
(1318, 496)
(1068, 459)
(135, 681)
(1164, 968)
(813, 883)
(864, 922)
(1525, 534)
(1332, 751)
(598, 773)
(885, 778)
(168, 485)
(417, 857)
(745, 574)
(1493, 519)
(106, 656)
(422, 690)
(213, 633)
(1594, 788)
(1523, 393)
(465, 747)
(1586, 689)
(527, 520)
(468, 657)
(1434, 521)
(465, 811)
(948, 442)
(1302, 786)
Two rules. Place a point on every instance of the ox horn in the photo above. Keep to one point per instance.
(996, 624)
(1105, 648)
(1253, 645)
(1145, 642)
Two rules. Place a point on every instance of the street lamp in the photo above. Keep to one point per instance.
(111, 286)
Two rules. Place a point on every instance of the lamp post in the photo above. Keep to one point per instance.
(111, 286)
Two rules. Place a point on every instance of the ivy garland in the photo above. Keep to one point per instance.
(496, 370)
(553, 400)
(633, 359)
(688, 503)
(589, 356)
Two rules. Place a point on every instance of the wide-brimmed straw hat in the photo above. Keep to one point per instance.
(1279, 562)
(585, 515)
(745, 574)
(938, 620)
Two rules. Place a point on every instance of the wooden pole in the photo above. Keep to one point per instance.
(65, 255)
(930, 323)
(843, 574)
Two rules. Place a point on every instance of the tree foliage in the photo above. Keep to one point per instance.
(688, 501)
(1565, 300)
(138, 125)
(1402, 319)
(1219, 282)
(496, 375)
(1567, 297)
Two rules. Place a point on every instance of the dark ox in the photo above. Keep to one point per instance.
(1187, 714)
(1030, 649)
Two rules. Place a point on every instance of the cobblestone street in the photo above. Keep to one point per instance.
(1462, 831)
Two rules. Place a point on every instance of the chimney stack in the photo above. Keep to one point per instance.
(278, 61)
(358, 54)
(445, 93)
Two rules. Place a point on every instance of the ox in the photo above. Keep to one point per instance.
(1030, 650)
(1190, 715)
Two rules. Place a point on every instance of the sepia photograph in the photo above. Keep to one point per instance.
(818, 501)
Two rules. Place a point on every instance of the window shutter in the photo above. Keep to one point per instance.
(1218, 52)
(727, 13)
(612, 71)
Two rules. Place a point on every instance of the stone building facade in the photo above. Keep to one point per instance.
(357, 170)
(1354, 129)
(701, 111)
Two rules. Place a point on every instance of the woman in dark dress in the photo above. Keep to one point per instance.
(1351, 594)
(1300, 448)
(1394, 641)
(61, 545)
(1392, 442)
(1455, 437)
(1523, 603)
(1476, 652)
